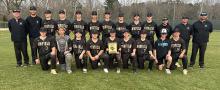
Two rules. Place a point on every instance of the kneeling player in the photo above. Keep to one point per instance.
(46, 47)
(63, 50)
(128, 50)
(79, 45)
(95, 49)
(178, 51)
(162, 51)
(144, 51)
(112, 46)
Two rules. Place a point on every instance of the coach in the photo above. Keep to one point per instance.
(34, 23)
(18, 29)
(200, 32)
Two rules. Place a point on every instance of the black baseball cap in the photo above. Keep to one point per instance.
(43, 30)
(176, 30)
(107, 12)
(126, 30)
(149, 14)
(33, 8)
(94, 13)
(61, 12)
(94, 31)
(164, 19)
(121, 15)
(112, 31)
(78, 31)
(184, 17)
(16, 10)
(143, 32)
(47, 12)
(136, 14)
(78, 12)
(203, 14)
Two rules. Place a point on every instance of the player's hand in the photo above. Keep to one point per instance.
(156, 61)
(106, 49)
(37, 61)
(181, 56)
(168, 56)
(66, 52)
(53, 53)
(93, 58)
(97, 57)
(133, 54)
(81, 56)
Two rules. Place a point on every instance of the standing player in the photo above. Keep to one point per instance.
(112, 47)
(121, 25)
(18, 29)
(162, 51)
(164, 26)
(178, 50)
(150, 26)
(95, 51)
(107, 26)
(201, 30)
(63, 22)
(34, 23)
(46, 47)
(128, 51)
(49, 24)
(79, 24)
(144, 51)
(63, 50)
(79, 45)
(135, 27)
(185, 31)
(94, 24)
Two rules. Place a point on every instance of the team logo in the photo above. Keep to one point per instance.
(206, 25)
(20, 23)
(37, 22)
(187, 28)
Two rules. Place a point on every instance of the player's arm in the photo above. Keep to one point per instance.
(134, 46)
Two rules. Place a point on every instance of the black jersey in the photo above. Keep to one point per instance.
(44, 46)
(94, 47)
(95, 26)
(50, 26)
(177, 46)
(185, 31)
(150, 28)
(78, 46)
(143, 47)
(168, 28)
(128, 46)
(66, 24)
(120, 27)
(106, 27)
(81, 25)
(162, 47)
(135, 30)
(116, 40)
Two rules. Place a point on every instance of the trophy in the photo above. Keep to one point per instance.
(112, 48)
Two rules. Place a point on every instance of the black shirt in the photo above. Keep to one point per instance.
(177, 46)
(185, 31)
(106, 27)
(162, 47)
(82, 25)
(18, 30)
(143, 47)
(135, 30)
(168, 28)
(34, 25)
(78, 46)
(66, 24)
(94, 26)
(94, 47)
(128, 46)
(120, 27)
(201, 31)
(43, 46)
(50, 26)
(151, 29)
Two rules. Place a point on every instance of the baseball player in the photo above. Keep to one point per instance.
(164, 26)
(135, 27)
(63, 22)
(49, 24)
(94, 24)
(121, 25)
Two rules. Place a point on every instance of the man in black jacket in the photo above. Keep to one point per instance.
(18, 29)
(201, 30)
(34, 23)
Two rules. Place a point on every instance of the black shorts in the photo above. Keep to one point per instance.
(161, 60)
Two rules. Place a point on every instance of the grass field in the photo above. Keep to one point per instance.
(32, 78)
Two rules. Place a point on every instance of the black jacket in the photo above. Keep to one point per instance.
(34, 25)
(201, 31)
(185, 31)
(18, 30)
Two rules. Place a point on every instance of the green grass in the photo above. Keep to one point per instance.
(32, 78)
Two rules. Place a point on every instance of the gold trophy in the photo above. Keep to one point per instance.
(112, 48)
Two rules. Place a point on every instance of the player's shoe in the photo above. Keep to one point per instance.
(99, 64)
(105, 70)
(26, 65)
(178, 65)
(53, 71)
(84, 70)
(185, 71)
(69, 71)
(118, 70)
(168, 71)
(19, 65)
